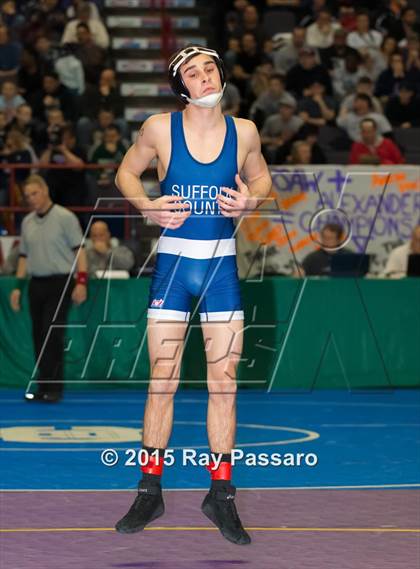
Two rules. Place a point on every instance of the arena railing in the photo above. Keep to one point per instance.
(13, 207)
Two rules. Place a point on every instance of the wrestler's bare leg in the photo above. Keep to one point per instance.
(165, 343)
(223, 344)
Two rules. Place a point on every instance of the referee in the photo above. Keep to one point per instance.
(50, 241)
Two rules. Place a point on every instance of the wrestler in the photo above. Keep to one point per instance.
(200, 153)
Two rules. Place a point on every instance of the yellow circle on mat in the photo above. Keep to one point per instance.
(117, 434)
(73, 434)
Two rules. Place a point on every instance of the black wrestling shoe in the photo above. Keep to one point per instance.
(219, 507)
(147, 506)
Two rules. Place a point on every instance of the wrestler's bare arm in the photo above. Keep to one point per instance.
(254, 168)
(136, 160)
(163, 211)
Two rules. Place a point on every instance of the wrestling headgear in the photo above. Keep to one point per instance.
(177, 84)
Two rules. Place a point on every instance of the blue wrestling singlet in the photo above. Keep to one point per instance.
(198, 258)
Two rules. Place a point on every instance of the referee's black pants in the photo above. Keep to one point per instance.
(48, 308)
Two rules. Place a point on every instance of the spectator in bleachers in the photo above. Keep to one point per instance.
(231, 101)
(334, 56)
(362, 109)
(54, 95)
(301, 153)
(105, 94)
(15, 151)
(55, 124)
(310, 134)
(365, 39)
(90, 133)
(381, 61)
(318, 263)
(398, 21)
(91, 55)
(345, 79)
(67, 185)
(10, 99)
(305, 72)
(364, 86)
(311, 12)
(9, 55)
(104, 251)
(279, 129)
(234, 17)
(411, 53)
(29, 76)
(390, 79)
(111, 151)
(44, 18)
(70, 71)
(320, 34)
(397, 263)
(288, 56)
(410, 50)
(99, 32)
(410, 23)
(347, 16)
(250, 25)
(46, 53)
(11, 18)
(403, 109)
(247, 61)
(29, 127)
(374, 148)
(231, 54)
(267, 54)
(74, 4)
(257, 84)
(316, 107)
(268, 102)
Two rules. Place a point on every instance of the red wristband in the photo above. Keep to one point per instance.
(82, 277)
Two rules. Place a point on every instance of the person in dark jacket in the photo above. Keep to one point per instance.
(54, 95)
(403, 109)
(305, 72)
(391, 78)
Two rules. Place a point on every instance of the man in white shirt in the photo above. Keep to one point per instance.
(396, 266)
(320, 34)
(287, 56)
(97, 29)
(362, 109)
(363, 38)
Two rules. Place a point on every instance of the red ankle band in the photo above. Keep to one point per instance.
(153, 466)
(222, 472)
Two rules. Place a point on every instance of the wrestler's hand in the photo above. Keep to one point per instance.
(237, 202)
(15, 299)
(167, 211)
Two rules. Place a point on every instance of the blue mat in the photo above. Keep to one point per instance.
(356, 439)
